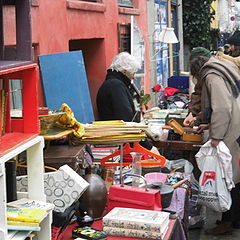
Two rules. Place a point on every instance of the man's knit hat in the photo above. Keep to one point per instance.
(199, 51)
(235, 38)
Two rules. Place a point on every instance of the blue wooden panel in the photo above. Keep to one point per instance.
(64, 81)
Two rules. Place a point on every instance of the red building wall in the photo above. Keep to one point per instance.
(63, 25)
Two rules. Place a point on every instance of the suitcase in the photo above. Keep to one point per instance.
(74, 156)
(133, 197)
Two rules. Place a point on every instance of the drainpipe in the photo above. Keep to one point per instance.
(151, 29)
(180, 35)
(170, 44)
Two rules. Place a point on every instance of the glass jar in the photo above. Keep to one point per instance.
(136, 167)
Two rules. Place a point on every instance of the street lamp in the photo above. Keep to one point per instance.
(167, 35)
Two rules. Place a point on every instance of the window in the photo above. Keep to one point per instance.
(91, 0)
(22, 52)
(16, 97)
(125, 3)
(124, 37)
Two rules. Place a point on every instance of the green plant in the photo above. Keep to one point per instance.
(144, 99)
(197, 17)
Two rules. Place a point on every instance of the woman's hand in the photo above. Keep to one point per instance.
(155, 150)
(189, 120)
(215, 142)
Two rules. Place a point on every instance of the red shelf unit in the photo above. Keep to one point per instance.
(29, 123)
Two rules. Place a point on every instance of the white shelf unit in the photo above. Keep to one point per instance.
(35, 170)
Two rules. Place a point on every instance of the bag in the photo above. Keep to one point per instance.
(62, 219)
(213, 191)
(134, 197)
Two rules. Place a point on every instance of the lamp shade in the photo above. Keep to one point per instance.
(167, 35)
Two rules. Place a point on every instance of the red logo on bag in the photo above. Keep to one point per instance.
(208, 175)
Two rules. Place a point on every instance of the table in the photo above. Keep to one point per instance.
(174, 231)
(188, 150)
(190, 147)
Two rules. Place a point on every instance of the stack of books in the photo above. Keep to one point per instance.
(26, 214)
(113, 131)
(136, 223)
(99, 152)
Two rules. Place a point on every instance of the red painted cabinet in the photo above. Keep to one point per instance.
(20, 129)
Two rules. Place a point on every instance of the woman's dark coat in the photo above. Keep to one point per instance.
(114, 98)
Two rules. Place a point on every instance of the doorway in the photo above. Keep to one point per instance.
(95, 64)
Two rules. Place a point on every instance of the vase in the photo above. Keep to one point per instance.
(94, 199)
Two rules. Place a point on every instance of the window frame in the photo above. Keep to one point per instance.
(93, 1)
(125, 3)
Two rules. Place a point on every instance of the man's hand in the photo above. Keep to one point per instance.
(202, 127)
(189, 120)
(214, 142)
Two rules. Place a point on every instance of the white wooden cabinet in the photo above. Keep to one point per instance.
(33, 145)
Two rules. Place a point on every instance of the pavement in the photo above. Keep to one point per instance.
(210, 221)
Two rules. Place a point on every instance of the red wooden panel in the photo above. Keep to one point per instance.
(30, 101)
(11, 141)
(29, 74)
(17, 125)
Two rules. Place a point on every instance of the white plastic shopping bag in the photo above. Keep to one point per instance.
(213, 190)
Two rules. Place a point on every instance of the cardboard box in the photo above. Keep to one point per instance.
(62, 187)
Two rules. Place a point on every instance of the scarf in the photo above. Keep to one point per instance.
(224, 70)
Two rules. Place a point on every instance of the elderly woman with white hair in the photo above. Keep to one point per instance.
(115, 96)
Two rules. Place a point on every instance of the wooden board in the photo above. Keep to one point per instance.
(64, 81)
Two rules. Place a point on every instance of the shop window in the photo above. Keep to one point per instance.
(124, 37)
(20, 54)
(125, 3)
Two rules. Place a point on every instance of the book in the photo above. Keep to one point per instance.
(24, 224)
(135, 233)
(26, 214)
(131, 218)
(30, 203)
(88, 233)
(23, 228)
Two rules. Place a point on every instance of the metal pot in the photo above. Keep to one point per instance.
(166, 192)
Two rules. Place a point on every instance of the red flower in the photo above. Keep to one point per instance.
(156, 88)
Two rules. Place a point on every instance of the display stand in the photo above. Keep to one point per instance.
(33, 145)
(20, 135)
